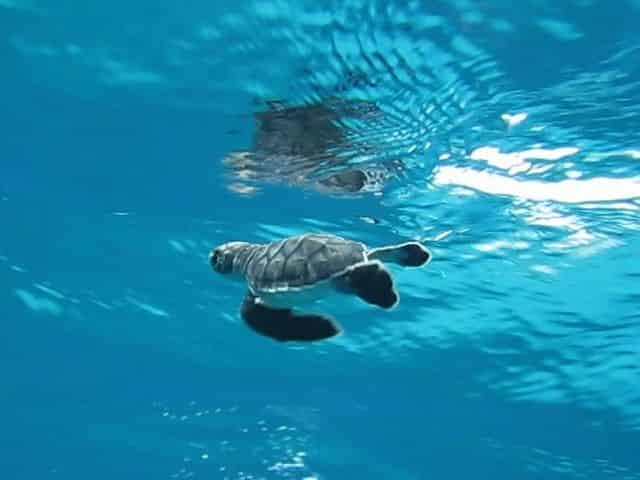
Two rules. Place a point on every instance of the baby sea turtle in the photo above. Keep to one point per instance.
(284, 275)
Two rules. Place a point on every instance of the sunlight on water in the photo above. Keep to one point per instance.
(566, 191)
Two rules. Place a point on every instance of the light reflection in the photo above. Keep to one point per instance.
(513, 120)
(501, 245)
(600, 189)
(494, 157)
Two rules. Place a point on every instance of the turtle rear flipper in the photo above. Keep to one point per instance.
(283, 324)
(410, 254)
(371, 282)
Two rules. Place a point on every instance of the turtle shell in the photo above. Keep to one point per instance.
(301, 261)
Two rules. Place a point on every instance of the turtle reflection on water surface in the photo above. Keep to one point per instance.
(306, 146)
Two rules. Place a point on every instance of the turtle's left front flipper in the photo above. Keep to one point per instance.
(371, 282)
(283, 324)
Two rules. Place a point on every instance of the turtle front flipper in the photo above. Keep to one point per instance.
(371, 282)
(410, 254)
(283, 324)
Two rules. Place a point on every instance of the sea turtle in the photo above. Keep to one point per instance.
(286, 275)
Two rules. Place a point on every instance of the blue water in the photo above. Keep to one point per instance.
(512, 355)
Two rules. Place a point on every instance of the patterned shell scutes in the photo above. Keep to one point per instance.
(301, 261)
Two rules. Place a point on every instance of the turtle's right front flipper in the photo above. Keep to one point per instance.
(283, 325)
(410, 254)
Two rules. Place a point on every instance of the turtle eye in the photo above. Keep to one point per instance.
(213, 258)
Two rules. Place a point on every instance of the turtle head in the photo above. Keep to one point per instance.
(223, 259)
(350, 181)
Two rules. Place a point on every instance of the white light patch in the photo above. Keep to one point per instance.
(50, 291)
(501, 245)
(513, 120)
(567, 191)
(546, 269)
(494, 157)
(39, 304)
(158, 312)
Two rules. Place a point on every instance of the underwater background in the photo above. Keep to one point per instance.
(509, 137)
